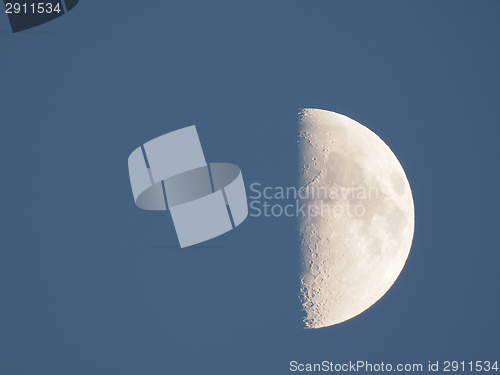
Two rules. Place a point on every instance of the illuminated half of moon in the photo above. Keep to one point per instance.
(358, 222)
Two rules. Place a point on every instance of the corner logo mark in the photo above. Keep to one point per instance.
(205, 200)
(24, 15)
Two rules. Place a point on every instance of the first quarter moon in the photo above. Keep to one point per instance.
(357, 242)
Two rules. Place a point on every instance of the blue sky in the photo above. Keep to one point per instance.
(90, 284)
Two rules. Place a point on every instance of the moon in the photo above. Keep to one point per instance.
(358, 222)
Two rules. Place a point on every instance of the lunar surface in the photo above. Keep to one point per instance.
(358, 225)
